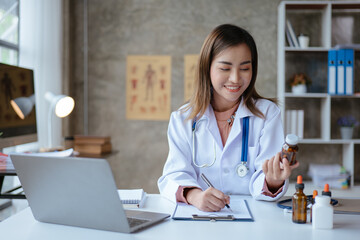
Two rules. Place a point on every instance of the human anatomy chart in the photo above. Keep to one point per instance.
(190, 62)
(148, 87)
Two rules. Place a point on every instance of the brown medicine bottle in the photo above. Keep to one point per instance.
(290, 148)
(299, 203)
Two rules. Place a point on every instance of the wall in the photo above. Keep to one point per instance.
(119, 28)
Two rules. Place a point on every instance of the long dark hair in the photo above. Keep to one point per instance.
(221, 38)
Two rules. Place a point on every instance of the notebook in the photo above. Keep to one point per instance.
(132, 198)
(77, 192)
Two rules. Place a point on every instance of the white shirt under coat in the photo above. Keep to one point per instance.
(266, 138)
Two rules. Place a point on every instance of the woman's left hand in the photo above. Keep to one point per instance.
(277, 171)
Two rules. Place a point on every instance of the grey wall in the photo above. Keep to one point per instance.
(118, 28)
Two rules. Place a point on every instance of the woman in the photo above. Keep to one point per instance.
(208, 135)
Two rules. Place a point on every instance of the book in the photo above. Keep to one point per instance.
(332, 62)
(340, 72)
(82, 139)
(349, 71)
(132, 198)
(93, 148)
(292, 34)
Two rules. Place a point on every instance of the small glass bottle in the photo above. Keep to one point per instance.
(299, 203)
(290, 148)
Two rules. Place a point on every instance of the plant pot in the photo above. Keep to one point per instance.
(299, 89)
(346, 132)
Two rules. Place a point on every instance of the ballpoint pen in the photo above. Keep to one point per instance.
(210, 185)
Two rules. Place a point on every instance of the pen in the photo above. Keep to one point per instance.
(210, 185)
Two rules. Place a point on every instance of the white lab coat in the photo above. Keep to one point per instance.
(265, 140)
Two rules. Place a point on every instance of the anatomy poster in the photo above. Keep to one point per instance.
(148, 87)
(190, 62)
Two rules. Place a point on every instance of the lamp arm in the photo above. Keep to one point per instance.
(50, 119)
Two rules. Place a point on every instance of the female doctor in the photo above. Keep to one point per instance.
(227, 131)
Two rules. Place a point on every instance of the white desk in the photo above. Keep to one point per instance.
(270, 223)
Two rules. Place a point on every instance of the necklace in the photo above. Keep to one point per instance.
(231, 119)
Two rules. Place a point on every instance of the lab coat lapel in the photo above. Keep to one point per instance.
(236, 128)
(212, 126)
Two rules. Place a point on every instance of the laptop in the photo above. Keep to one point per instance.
(77, 192)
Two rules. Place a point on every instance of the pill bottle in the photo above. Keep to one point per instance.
(290, 148)
(299, 202)
(322, 213)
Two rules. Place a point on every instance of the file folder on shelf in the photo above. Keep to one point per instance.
(341, 72)
(349, 71)
(332, 60)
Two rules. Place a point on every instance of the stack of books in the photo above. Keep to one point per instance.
(92, 144)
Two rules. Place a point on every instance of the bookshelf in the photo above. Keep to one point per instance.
(324, 22)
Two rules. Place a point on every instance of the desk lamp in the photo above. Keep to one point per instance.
(23, 105)
(61, 105)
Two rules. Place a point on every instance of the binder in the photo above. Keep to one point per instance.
(349, 71)
(341, 72)
(332, 60)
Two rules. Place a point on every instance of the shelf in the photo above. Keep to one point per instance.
(332, 141)
(327, 24)
(309, 49)
(307, 95)
(318, 95)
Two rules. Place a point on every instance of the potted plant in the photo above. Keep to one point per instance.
(299, 82)
(347, 124)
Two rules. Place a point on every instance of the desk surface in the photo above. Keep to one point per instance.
(269, 219)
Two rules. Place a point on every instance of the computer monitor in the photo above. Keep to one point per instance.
(17, 83)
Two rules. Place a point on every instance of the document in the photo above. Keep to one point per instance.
(240, 211)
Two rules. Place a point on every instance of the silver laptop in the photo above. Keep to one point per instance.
(77, 192)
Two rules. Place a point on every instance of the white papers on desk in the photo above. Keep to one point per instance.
(239, 210)
(132, 198)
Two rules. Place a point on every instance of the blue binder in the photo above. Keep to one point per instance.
(349, 71)
(332, 60)
(340, 80)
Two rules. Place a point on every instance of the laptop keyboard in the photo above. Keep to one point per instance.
(133, 222)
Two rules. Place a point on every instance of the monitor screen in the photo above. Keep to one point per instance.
(17, 106)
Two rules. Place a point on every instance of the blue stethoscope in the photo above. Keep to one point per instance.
(242, 168)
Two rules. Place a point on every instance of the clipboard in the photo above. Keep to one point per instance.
(240, 212)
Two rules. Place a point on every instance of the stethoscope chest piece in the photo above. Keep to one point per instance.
(242, 169)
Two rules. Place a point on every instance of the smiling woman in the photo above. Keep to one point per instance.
(227, 131)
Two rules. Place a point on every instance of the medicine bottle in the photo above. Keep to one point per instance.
(322, 213)
(299, 203)
(290, 148)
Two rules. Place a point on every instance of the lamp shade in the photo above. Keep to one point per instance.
(63, 104)
(23, 105)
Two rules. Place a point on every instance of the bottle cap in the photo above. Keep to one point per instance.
(326, 191)
(299, 182)
(315, 193)
(292, 139)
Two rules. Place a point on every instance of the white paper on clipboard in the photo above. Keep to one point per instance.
(239, 211)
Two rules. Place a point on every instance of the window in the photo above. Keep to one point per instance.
(9, 31)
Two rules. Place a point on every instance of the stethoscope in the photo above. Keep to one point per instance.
(242, 168)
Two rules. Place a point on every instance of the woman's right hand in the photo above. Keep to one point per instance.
(210, 200)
